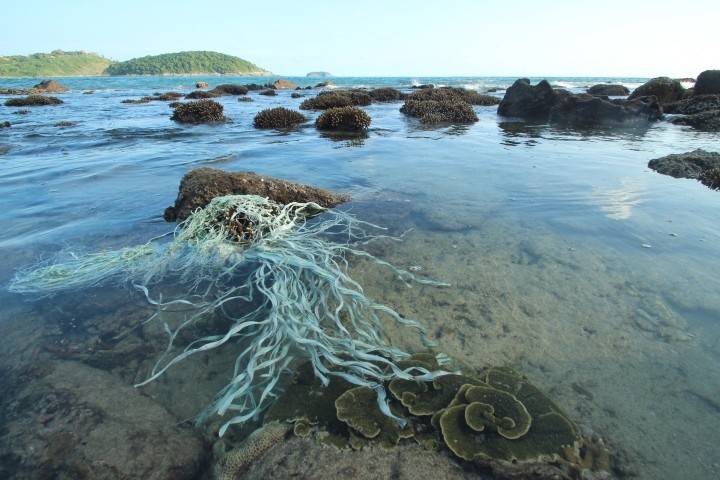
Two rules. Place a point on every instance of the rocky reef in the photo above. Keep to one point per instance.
(445, 105)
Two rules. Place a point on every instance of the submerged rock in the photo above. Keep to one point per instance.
(73, 421)
(201, 185)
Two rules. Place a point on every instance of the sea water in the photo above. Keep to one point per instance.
(568, 258)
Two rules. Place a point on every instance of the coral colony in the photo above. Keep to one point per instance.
(288, 270)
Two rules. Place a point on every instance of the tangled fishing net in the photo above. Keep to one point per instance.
(288, 271)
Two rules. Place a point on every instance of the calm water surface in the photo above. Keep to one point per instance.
(570, 228)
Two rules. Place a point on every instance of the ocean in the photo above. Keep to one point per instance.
(568, 259)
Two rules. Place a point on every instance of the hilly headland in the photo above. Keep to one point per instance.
(59, 63)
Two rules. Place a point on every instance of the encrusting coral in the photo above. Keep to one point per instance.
(279, 281)
(496, 419)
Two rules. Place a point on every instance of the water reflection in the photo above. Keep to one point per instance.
(618, 203)
(346, 139)
(525, 133)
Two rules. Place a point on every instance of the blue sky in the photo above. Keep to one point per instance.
(387, 38)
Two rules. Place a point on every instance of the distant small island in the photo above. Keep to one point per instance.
(319, 74)
(187, 63)
(59, 63)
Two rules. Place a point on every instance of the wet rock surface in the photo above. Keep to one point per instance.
(201, 185)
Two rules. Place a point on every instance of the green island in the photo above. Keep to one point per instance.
(54, 64)
(186, 63)
(59, 63)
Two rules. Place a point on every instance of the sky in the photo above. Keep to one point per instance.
(388, 38)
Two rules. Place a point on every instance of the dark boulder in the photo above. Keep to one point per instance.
(708, 121)
(667, 90)
(708, 82)
(201, 111)
(609, 89)
(230, 89)
(4, 125)
(686, 165)
(201, 185)
(587, 110)
(530, 102)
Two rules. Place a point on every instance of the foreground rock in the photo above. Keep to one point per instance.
(73, 421)
(686, 165)
(201, 185)
(694, 104)
(302, 458)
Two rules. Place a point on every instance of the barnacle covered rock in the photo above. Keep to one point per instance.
(201, 111)
(279, 117)
(346, 119)
(711, 178)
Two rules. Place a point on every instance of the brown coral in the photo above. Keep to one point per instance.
(278, 117)
(346, 119)
(202, 111)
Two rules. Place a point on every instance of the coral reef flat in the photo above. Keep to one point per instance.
(567, 258)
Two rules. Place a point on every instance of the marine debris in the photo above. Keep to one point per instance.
(278, 280)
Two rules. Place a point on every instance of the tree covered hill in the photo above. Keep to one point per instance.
(54, 64)
(196, 62)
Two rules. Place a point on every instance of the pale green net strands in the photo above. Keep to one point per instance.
(289, 272)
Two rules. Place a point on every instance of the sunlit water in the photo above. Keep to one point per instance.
(568, 258)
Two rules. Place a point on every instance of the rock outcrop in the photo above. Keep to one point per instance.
(542, 103)
(587, 110)
(609, 90)
(530, 102)
(708, 82)
(686, 165)
(666, 90)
